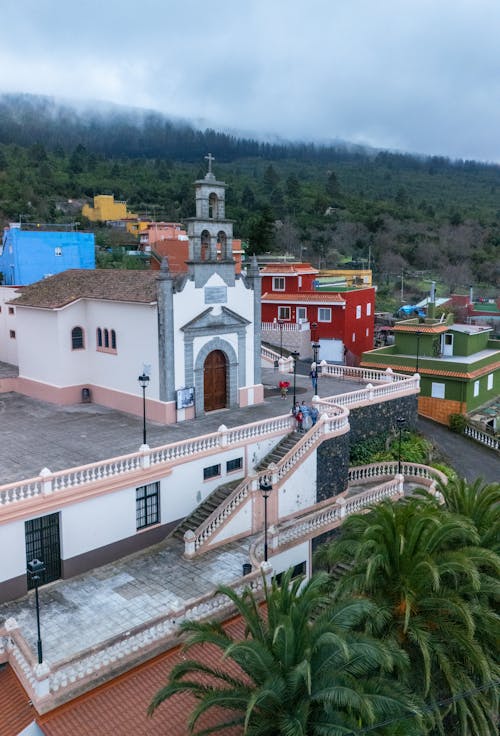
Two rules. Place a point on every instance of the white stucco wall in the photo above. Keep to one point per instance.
(12, 550)
(8, 322)
(291, 557)
(299, 490)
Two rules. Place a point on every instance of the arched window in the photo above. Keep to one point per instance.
(213, 206)
(222, 249)
(106, 339)
(77, 338)
(113, 340)
(99, 337)
(205, 245)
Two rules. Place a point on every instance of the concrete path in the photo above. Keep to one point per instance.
(470, 459)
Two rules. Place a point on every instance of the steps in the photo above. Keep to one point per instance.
(214, 500)
(279, 452)
(205, 508)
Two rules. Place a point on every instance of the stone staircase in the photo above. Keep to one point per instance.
(214, 500)
(205, 508)
(279, 452)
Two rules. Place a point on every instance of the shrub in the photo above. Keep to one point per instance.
(457, 423)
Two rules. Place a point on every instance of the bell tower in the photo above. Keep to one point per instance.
(210, 234)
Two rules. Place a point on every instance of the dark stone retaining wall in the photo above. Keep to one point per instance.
(367, 421)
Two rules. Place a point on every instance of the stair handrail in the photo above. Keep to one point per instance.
(335, 424)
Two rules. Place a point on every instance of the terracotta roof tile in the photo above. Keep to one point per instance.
(288, 269)
(432, 329)
(436, 371)
(69, 286)
(324, 297)
(15, 710)
(119, 708)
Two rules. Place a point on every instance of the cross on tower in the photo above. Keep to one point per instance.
(210, 158)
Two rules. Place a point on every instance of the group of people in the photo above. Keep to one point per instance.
(305, 416)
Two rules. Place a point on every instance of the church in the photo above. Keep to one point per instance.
(89, 334)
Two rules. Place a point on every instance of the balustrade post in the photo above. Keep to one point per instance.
(389, 374)
(189, 544)
(273, 537)
(42, 682)
(273, 470)
(223, 435)
(341, 503)
(369, 388)
(267, 571)
(322, 366)
(326, 423)
(46, 476)
(145, 456)
(401, 482)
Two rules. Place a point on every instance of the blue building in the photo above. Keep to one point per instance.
(28, 255)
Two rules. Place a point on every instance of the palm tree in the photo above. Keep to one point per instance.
(425, 567)
(302, 668)
(479, 502)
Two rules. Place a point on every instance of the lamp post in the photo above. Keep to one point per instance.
(266, 487)
(279, 322)
(294, 355)
(35, 570)
(314, 333)
(400, 423)
(418, 333)
(143, 383)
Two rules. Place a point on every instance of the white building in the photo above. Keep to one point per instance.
(196, 335)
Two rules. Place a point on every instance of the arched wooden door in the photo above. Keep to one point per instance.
(214, 381)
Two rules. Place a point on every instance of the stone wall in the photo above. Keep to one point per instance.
(332, 467)
(369, 421)
(366, 422)
(292, 340)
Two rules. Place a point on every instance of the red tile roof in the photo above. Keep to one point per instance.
(119, 707)
(306, 297)
(288, 269)
(436, 371)
(15, 710)
(69, 286)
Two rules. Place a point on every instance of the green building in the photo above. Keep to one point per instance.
(459, 365)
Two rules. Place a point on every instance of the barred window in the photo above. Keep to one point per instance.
(211, 472)
(235, 464)
(147, 505)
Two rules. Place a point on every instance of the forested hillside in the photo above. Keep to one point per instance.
(415, 217)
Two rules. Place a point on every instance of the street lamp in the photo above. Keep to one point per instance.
(418, 333)
(314, 334)
(143, 383)
(266, 487)
(316, 346)
(294, 355)
(280, 323)
(400, 423)
(35, 570)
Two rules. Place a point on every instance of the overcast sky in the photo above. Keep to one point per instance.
(414, 75)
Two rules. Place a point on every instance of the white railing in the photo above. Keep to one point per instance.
(325, 518)
(285, 327)
(367, 473)
(268, 354)
(326, 426)
(93, 473)
(483, 437)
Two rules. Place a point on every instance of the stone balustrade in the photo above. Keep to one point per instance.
(483, 438)
(49, 686)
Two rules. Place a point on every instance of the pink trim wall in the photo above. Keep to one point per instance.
(156, 411)
(251, 395)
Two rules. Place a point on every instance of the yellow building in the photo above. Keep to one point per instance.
(105, 209)
(350, 277)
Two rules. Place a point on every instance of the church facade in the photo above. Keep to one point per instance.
(197, 335)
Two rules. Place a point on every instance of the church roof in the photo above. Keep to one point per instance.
(111, 284)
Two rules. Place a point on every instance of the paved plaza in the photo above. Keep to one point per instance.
(86, 610)
(35, 434)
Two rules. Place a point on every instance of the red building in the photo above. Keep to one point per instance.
(343, 319)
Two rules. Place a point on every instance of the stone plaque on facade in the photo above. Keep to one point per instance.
(215, 294)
